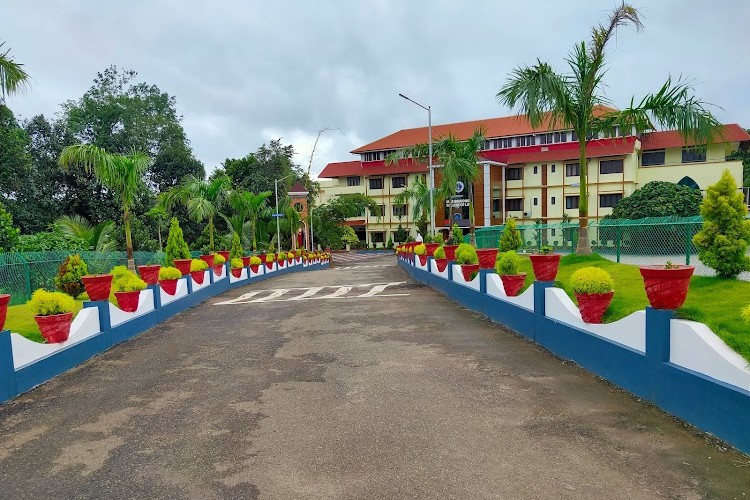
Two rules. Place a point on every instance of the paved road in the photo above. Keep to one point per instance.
(330, 384)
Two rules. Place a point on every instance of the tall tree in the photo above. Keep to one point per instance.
(15, 162)
(417, 195)
(574, 101)
(13, 78)
(247, 209)
(257, 171)
(122, 174)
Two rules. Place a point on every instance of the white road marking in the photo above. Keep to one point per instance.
(338, 293)
(311, 293)
(375, 290)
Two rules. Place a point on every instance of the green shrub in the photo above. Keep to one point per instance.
(176, 246)
(255, 261)
(236, 250)
(389, 244)
(290, 255)
(169, 273)
(722, 243)
(270, 257)
(507, 263)
(439, 252)
(420, 249)
(349, 236)
(198, 265)
(237, 263)
(458, 235)
(45, 303)
(219, 259)
(69, 275)
(49, 241)
(591, 280)
(658, 199)
(511, 237)
(437, 238)
(129, 283)
(8, 232)
(281, 256)
(466, 254)
(401, 235)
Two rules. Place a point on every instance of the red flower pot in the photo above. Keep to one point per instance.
(487, 257)
(422, 259)
(593, 305)
(169, 286)
(149, 274)
(55, 328)
(290, 259)
(468, 271)
(450, 251)
(219, 269)
(128, 301)
(545, 266)
(198, 276)
(224, 253)
(431, 247)
(208, 259)
(262, 257)
(666, 288)
(246, 261)
(269, 265)
(441, 264)
(98, 286)
(4, 300)
(183, 265)
(512, 283)
(236, 272)
(254, 267)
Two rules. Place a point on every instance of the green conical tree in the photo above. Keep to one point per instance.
(176, 246)
(236, 250)
(511, 237)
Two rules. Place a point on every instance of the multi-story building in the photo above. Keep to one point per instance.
(531, 173)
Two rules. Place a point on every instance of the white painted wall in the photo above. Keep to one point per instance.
(495, 289)
(434, 270)
(206, 282)
(458, 277)
(145, 305)
(182, 291)
(242, 277)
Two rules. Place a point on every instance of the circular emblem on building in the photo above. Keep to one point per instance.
(460, 187)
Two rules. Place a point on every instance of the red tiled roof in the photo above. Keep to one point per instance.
(298, 187)
(346, 168)
(564, 151)
(495, 127)
(342, 168)
(673, 139)
(356, 222)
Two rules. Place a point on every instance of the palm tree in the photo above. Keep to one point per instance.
(122, 174)
(293, 218)
(202, 198)
(248, 208)
(418, 195)
(575, 100)
(98, 238)
(13, 78)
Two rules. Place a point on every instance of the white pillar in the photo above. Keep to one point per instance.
(487, 196)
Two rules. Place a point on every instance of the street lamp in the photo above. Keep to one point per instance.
(429, 160)
(277, 214)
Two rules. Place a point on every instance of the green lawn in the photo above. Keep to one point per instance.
(714, 301)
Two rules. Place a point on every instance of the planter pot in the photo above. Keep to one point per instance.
(441, 264)
(98, 286)
(593, 305)
(512, 283)
(4, 300)
(450, 251)
(236, 272)
(246, 261)
(468, 271)
(198, 276)
(290, 260)
(149, 274)
(545, 266)
(422, 259)
(55, 328)
(225, 254)
(254, 267)
(666, 288)
(298, 260)
(169, 286)
(183, 265)
(269, 265)
(128, 301)
(208, 259)
(219, 269)
(487, 257)
(431, 247)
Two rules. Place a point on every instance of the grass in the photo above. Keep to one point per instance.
(714, 301)
(21, 320)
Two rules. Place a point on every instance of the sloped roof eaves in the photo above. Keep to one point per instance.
(559, 152)
(352, 168)
(672, 138)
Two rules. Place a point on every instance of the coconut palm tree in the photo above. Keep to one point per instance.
(98, 238)
(202, 198)
(418, 195)
(121, 174)
(13, 78)
(292, 218)
(575, 100)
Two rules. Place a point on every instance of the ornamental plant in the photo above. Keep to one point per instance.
(723, 241)
(129, 283)
(420, 249)
(458, 235)
(236, 251)
(176, 246)
(69, 275)
(119, 272)
(45, 303)
(439, 252)
(236, 263)
(511, 237)
(290, 255)
(349, 237)
(270, 257)
(507, 264)
(219, 259)
(281, 256)
(466, 254)
(198, 265)
(438, 238)
(591, 280)
(169, 273)
(255, 261)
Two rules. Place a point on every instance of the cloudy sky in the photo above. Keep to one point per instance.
(244, 72)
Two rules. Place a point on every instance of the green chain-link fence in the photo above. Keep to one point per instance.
(23, 272)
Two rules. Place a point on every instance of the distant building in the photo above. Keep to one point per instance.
(529, 173)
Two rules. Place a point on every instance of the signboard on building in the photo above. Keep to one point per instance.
(457, 206)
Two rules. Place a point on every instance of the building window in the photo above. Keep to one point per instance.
(652, 158)
(398, 182)
(496, 200)
(298, 207)
(376, 183)
(552, 169)
(609, 200)
(526, 140)
(399, 210)
(572, 170)
(353, 181)
(610, 166)
(571, 202)
(693, 155)
(552, 201)
(514, 204)
(377, 237)
(535, 169)
(513, 174)
(371, 156)
(573, 136)
(546, 138)
(377, 211)
(536, 201)
(553, 231)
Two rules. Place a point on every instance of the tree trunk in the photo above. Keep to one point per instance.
(128, 239)
(255, 243)
(211, 233)
(584, 246)
(158, 230)
(472, 237)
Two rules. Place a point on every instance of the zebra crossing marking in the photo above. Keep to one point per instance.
(341, 292)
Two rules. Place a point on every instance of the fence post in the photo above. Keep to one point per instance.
(7, 370)
(688, 241)
(619, 242)
(27, 269)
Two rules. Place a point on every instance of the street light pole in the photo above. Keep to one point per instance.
(429, 160)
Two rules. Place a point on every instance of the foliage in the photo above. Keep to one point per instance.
(8, 232)
(124, 280)
(457, 235)
(591, 280)
(401, 235)
(13, 78)
(257, 171)
(511, 237)
(420, 249)
(247, 209)
(176, 246)
(255, 261)
(437, 238)
(45, 303)
(281, 256)
(418, 196)
(349, 236)
(290, 255)
(507, 263)
(237, 263)
(723, 241)
(746, 314)
(439, 252)
(219, 259)
(169, 273)
(659, 199)
(466, 254)
(270, 257)
(69, 275)
(198, 265)
(236, 250)
(576, 100)
(15, 161)
(98, 237)
(328, 219)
